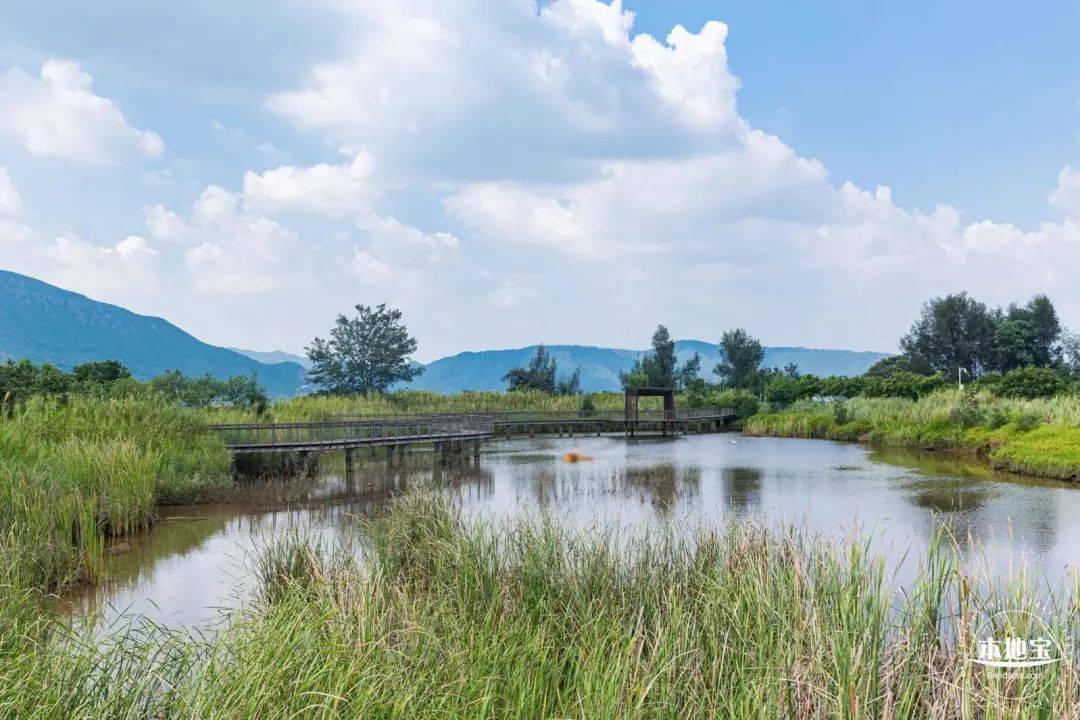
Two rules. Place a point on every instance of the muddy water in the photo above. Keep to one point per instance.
(196, 560)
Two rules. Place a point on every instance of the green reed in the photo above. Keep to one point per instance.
(74, 474)
(441, 618)
(1033, 437)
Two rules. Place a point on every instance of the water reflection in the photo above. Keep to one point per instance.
(194, 559)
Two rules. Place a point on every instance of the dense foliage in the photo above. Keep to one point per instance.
(365, 354)
(659, 368)
(542, 376)
(20, 381)
(958, 334)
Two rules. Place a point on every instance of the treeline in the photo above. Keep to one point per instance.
(22, 380)
(1021, 351)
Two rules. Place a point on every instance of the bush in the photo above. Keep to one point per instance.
(840, 413)
(1027, 421)
(588, 407)
(967, 413)
(1032, 382)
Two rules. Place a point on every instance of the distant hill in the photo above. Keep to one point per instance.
(600, 367)
(47, 324)
(274, 356)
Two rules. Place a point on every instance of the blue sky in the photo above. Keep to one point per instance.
(507, 173)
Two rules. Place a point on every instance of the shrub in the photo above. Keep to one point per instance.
(1032, 382)
(967, 413)
(840, 413)
(1027, 421)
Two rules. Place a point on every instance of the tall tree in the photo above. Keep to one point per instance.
(542, 374)
(954, 332)
(1045, 330)
(659, 366)
(365, 354)
(741, 356)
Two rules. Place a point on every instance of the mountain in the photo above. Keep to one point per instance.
(600, 367)
(47, 324)
(274, 356)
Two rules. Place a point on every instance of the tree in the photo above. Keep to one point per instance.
(100, 372)
(1028, 335)
(1070, 350)
(542, 375)
(659, 366)
(741, 356)
(365, 354)
(952, 333)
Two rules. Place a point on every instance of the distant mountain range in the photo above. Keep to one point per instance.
(48, 324)
(600, 367)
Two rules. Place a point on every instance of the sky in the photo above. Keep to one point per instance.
(573, 171)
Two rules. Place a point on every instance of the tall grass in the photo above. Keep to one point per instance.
(320, 407)
(75, 473)
(1035, 437)
(446, 619)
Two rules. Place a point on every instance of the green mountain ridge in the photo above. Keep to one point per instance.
(600, 367)
(48, 324)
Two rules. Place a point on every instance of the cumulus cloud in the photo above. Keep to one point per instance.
(10, 202)
(1066, 196)
(481, 90)
(239, 253)
(322, 188)
(123, 271)
(58, 114)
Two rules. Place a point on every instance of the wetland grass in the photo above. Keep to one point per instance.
(74, 474)
(1031, 437)
(443, 618)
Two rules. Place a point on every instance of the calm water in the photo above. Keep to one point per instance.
(194, 560)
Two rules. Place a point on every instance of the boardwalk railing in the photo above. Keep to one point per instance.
(503, 417)
(353, 431)
(346, 433)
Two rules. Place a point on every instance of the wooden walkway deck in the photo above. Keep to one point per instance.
(348, 432)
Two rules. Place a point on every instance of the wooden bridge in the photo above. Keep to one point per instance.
(454, 432)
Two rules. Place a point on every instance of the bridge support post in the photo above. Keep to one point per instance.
(348, 463)
(401, 450)
(476, 451)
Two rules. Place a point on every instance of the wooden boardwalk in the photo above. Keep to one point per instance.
(349, 432)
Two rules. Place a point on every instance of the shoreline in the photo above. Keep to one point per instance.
(1046, 451)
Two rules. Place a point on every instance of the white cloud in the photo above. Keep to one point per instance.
(487, 90)
(124, 271)
(323, 188)
(10, 202)
(512, 292)
(238, 253)
(58, 114)
(1066, 196)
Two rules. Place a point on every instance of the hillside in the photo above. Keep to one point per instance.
(600, 367)
(47, 324)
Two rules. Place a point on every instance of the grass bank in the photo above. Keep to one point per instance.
(77, 472)
(441, 619)
(1031, 437)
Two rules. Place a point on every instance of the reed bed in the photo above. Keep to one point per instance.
(75, 473)
(310, 408)
(1033, 437)
(441, 618)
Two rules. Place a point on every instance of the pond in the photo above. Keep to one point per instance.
(195, 560)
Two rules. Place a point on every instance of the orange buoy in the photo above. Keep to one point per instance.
(573, 457)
